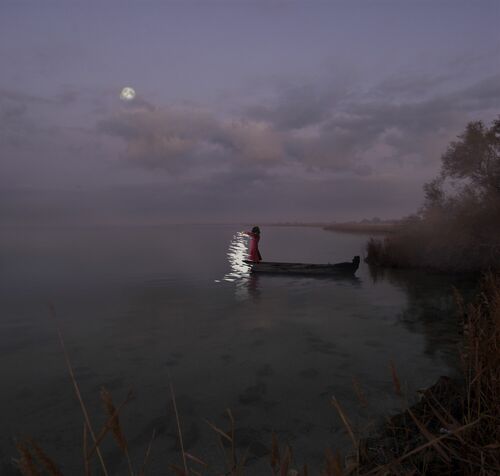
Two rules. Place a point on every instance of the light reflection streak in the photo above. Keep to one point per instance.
(245, 282)
(236, 253)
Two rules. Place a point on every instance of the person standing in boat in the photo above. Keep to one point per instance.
(255, 255)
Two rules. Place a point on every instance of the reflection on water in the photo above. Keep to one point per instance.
(245, 282)
(236, 253)
(431, 308)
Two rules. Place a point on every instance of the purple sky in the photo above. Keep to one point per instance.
(245, 110)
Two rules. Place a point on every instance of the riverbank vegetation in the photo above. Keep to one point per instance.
(458, 227)
(455, 427)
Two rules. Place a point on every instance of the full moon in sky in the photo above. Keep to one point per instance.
(127, 94)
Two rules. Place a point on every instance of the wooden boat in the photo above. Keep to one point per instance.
(338, 269)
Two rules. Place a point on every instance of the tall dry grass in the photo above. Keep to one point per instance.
(481, 364)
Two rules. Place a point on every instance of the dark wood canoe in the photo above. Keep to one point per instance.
(343, 269)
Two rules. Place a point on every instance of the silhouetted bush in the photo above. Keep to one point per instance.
(458, 226)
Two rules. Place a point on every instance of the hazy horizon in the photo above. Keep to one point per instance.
(245, 111)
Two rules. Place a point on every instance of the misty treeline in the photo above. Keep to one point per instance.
(458, 226)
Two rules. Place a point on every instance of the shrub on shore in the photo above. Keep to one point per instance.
(458, 227)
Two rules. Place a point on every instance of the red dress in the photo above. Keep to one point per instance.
(254, 247)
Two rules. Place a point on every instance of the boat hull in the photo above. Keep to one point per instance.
(272, 267)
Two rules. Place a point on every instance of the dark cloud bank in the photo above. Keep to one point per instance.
(309, 153)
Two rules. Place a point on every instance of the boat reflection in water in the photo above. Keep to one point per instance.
(246, 283)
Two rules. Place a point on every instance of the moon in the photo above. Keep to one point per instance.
(127, 94)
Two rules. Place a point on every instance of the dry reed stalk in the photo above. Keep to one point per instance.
(181, 443)
(359, 393)
(333, 463)
(418, 449)
(142, 472)
(233, 446)
(481, 361)
(219, 431)
(220, 435)
(196, 460)
(285, 461)
(47, 463)
(275, 452)
(108, 425)
(234, 467)
(345, 421)
(445, 421)
(178, 470)
(116, 428)
(430, 437)
(241, 464)
(77, 388)
(86, 467)
(395, 379)
(26, 462)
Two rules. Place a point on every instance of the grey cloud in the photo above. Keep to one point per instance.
(406, 119)
(483, 95)
(176, 139)
(296, 107)
(358, 135)
(68, 96)
(138, 103)
(410, 85)
(11, 109)
(410, 128)
(161, 138)
(24, 117)
(16, 125)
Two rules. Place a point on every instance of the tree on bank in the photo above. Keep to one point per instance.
(458, 226)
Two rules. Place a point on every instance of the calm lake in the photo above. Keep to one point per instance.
(140, 307)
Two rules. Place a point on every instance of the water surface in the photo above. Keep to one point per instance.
(138, 306)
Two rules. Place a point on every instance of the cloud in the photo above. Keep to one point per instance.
(177, 139)
(252, 141)
(403, 122)
(296, 107)
(161, 138)
(26, 119)
(16, 125)
(329, 154)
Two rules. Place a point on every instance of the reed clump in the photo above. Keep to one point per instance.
(455, 428)
(440, 242)
(33, 461)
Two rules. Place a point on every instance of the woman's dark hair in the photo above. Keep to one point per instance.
(256, 229)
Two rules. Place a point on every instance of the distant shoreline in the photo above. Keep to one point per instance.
(380, 228)
(374, 228)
